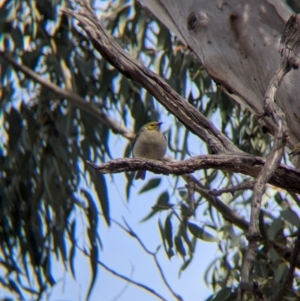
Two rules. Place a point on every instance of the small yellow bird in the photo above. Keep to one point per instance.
(149, 143)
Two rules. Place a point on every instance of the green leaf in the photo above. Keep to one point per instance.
(169, 231)
(92, 214)
(92, 234)
(179, 246)
(101, 189)
(276, 226)
(223, 294)
(163, 236)
(153, 183)
(71, 260)
(281, 272)
(13, 285)
(291, 216)
(262, 225)
(161, 204)
(186, 264)
(163, 201)
(94, 266)
(73, 248)
(201, 233)
(47, 270)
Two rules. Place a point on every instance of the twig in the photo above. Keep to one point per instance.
(234, 188)
(154, 84)
(143, 286)
(138, 284)
(190, 199)
(227, 213)
(284, 177)
(153, 254)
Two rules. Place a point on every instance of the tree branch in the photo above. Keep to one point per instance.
(284, 177)
(227, 213)
(138, 284)
(233, 188)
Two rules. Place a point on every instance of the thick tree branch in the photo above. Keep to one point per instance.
(155, 85)
(284, 177)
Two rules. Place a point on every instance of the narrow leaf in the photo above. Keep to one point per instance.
(291, 216)
(153, 183)
(163, 236)
(201, 233)
(223, 294)
(73, 248)
(161, 204)
(163, 201)
(94, 266)
(179, 246)
(169, 231)
(101, 189)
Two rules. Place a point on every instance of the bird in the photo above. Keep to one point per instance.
(149, 143)
(296, 150)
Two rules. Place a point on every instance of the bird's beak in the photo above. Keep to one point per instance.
(159, 123)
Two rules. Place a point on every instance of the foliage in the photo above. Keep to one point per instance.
(47, 141)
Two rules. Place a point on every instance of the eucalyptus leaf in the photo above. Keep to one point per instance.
(201, 233)
(169, 231)
(151, 184)
(161, 204)
(101, 189)
(291, 216)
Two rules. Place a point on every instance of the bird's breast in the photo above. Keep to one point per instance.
(150, 145)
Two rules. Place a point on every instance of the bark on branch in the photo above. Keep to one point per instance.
(284, 177)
